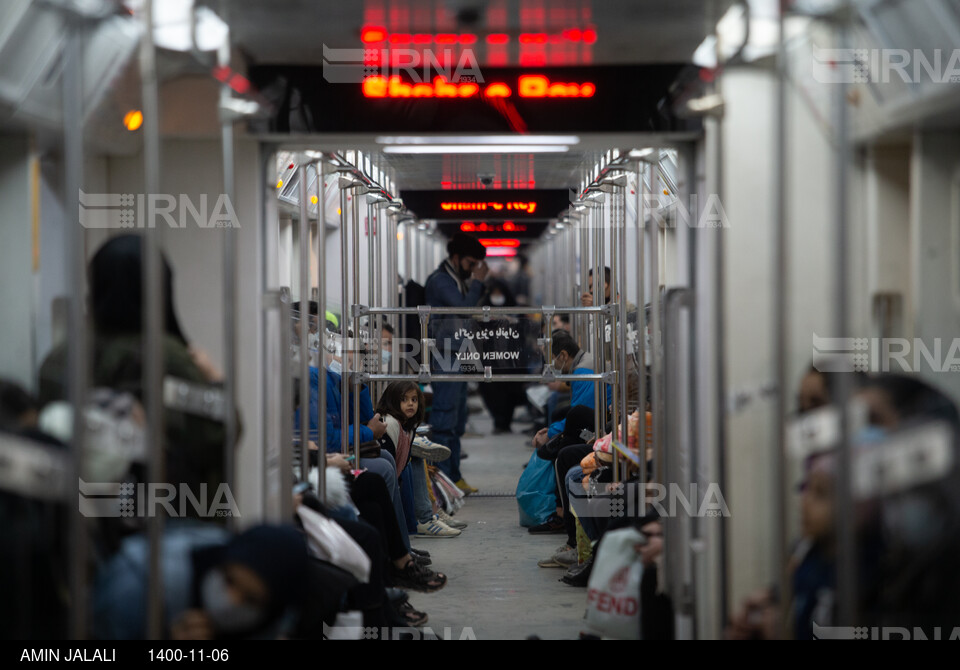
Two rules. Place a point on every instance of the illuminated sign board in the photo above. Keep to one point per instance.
(527, 86)
(499, 242)
(484, 227)
(494, 206)
(547, 99)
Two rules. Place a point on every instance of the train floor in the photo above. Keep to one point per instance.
(495, 589)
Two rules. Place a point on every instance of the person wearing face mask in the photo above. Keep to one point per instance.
(501, 398)
(569, 358)
(215, 586)
(386, 346)
(458, 282)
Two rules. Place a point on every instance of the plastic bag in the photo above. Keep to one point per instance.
(613, 592)
(331, 543)
(536, 492)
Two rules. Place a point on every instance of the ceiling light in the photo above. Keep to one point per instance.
(475, 149)
(479, 139)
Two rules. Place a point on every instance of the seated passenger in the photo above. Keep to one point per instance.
(369, 428)
(402, 405)
(194, 444)
(214, 586)
(569, 358)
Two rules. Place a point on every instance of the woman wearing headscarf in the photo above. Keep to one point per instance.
(194, 443)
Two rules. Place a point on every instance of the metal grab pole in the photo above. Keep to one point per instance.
(373, 338)
(615, 322)
(641, 226)
(358, 344)
(598, 324)
(304, 324)
(344, 341)
(656, 362)
(620, 335)
(153, 321)
(322, 331)
(845, 523)
(231, 428)
(780, 271)
(78, 342)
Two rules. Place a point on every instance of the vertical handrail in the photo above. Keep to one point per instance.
(780, 271)
(344, 316)
(620, 275)
(78, 342)
(599, 392)
(641, 225)
(656, 359)
(846, 543)
(358, 344)
(692, 417)
(153, 322)
(231, 428)
(303, 230)
(320, 167)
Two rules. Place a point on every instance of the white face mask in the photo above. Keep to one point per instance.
(498, 300)
(227, 616)
(335, 367)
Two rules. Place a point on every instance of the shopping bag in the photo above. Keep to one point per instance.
(613, 592)
(331, 543)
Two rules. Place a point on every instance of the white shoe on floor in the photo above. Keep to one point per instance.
(450, 521)
(436, 528)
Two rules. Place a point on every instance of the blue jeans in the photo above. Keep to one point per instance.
(448, 418)
(386, 467)
(421, 490)
(406, 495)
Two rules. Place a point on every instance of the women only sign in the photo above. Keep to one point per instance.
(500, 345)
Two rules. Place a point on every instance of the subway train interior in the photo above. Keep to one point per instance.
(302, 332)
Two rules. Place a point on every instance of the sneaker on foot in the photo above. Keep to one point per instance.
(436, 528)
(550, 563)
(466, 488)
(552, 526)
(566, 558)
(450, 521)
(428, 450)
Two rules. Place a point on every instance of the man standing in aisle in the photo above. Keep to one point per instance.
(458, 282)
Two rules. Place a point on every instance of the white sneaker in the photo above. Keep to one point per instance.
(436, 528)
(450, 521)
(429, 450)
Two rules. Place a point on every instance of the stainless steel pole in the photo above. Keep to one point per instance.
(780, 271)
(344, 316)
(229, 293)
(846, 541)
(303, 228)
(320, 166)
(154, 327)
(641, 226)
(359, 346)
(78, 342)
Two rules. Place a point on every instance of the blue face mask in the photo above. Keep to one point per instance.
(385, 358)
